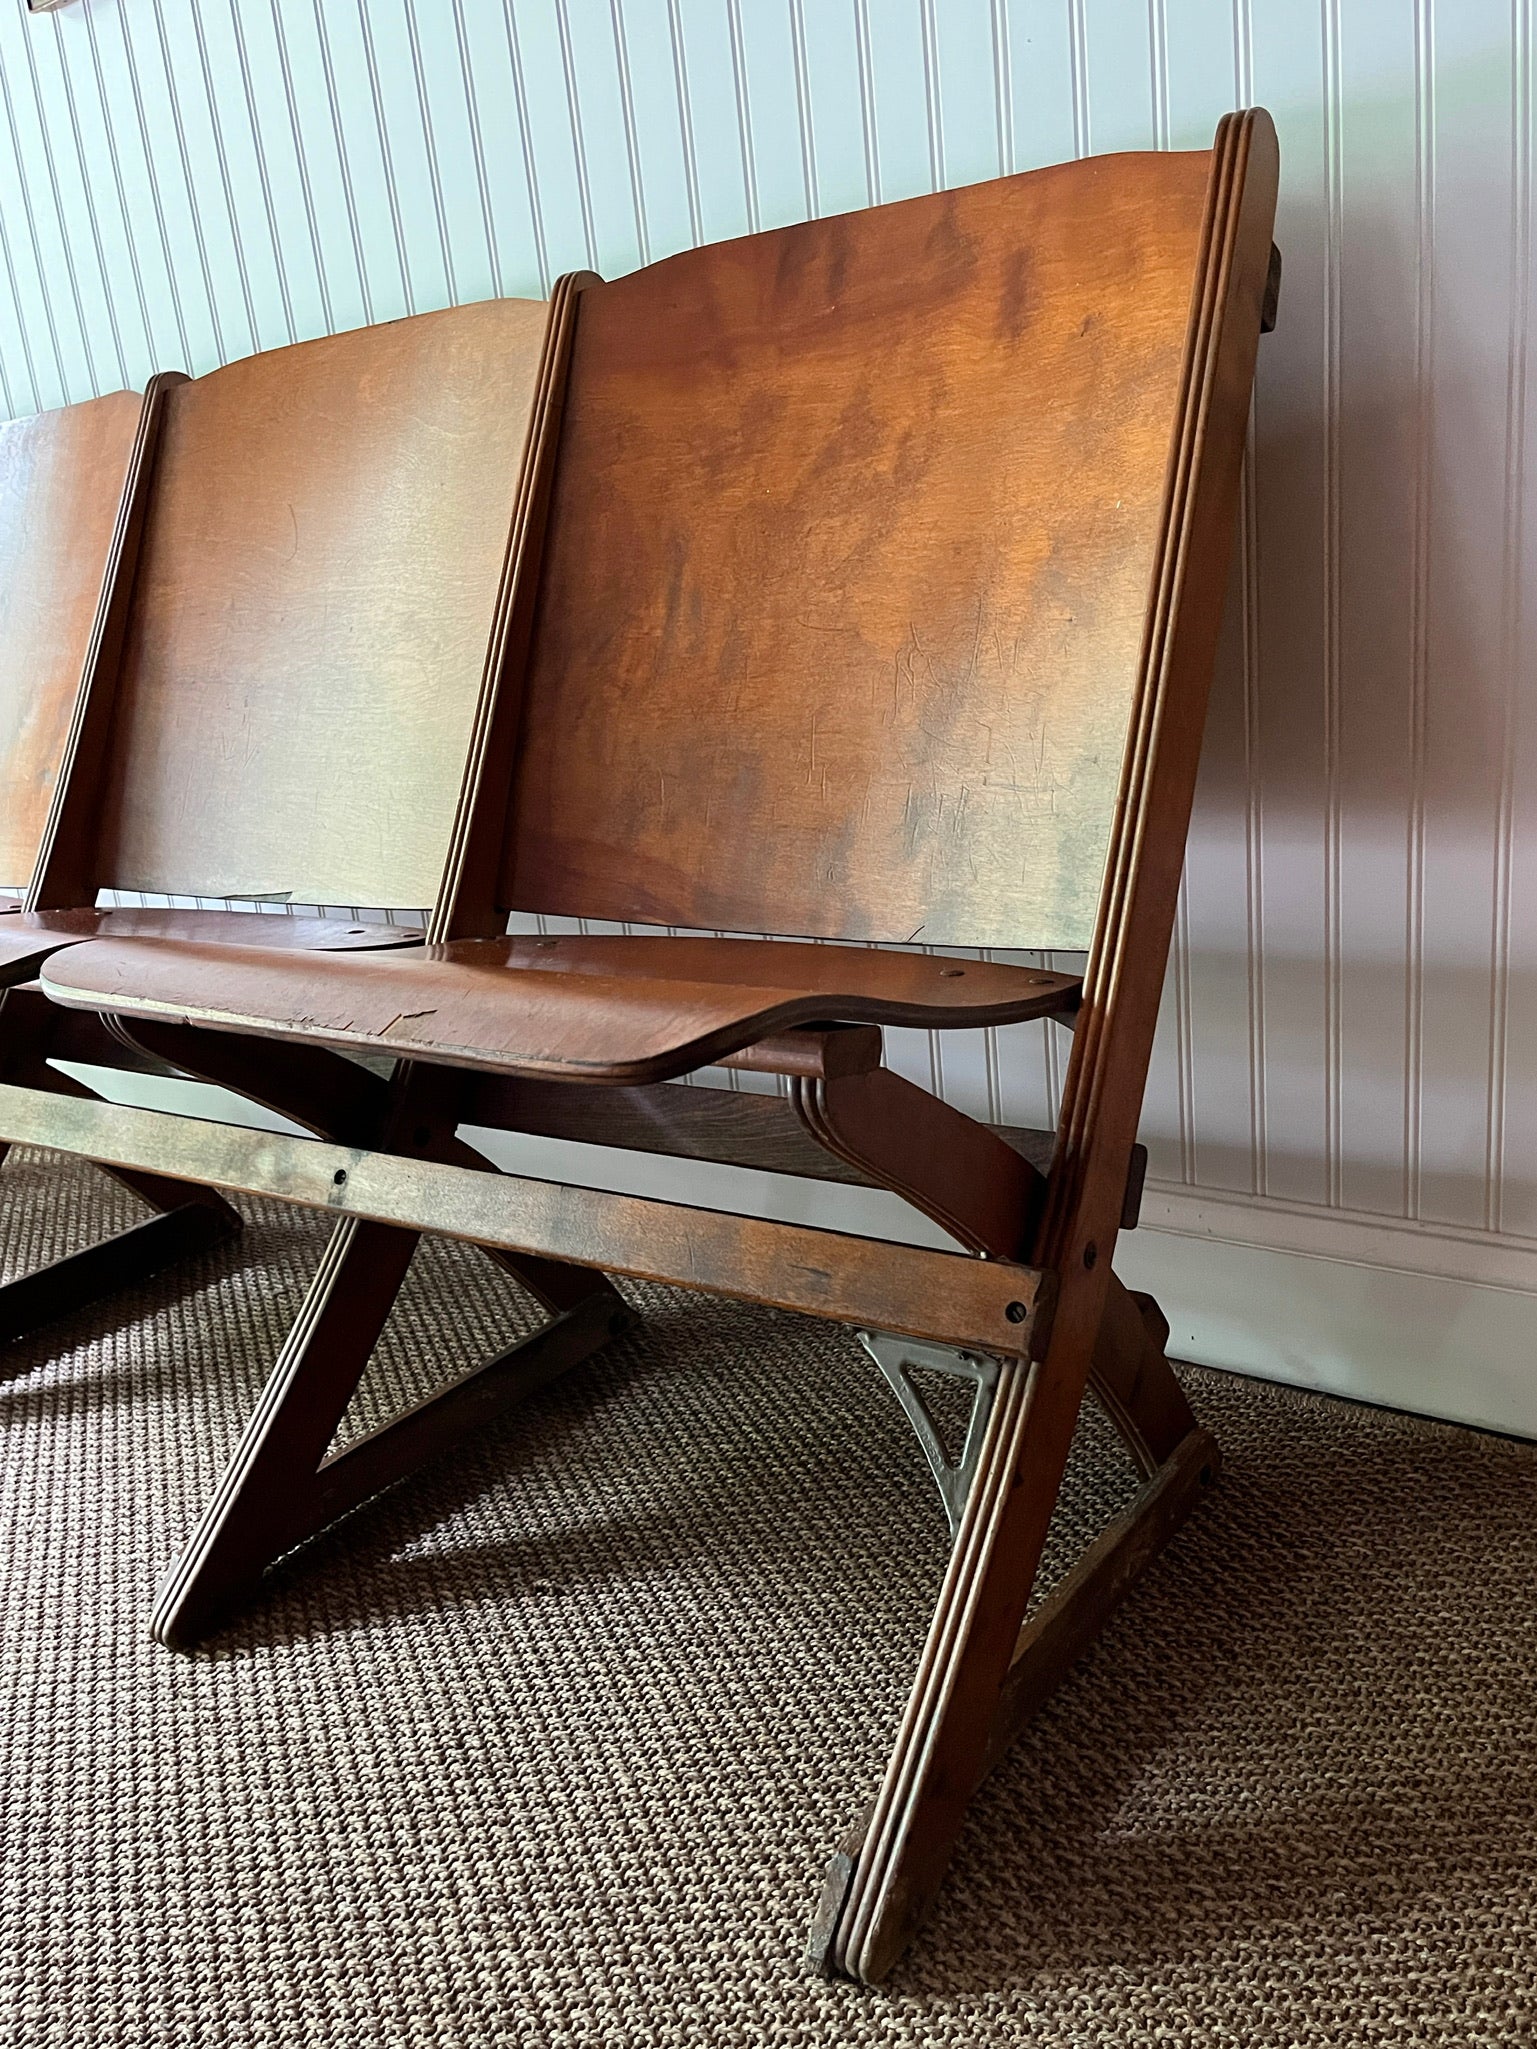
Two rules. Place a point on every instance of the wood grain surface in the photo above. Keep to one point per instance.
(906, 1288)
(26, 941)
(849, 565)
(318, 580)
(885, 563)
(61, 481)
(626, 1010)
(962, 1670)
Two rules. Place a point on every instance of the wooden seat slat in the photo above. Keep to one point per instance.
(622, 1009)
(29, 938)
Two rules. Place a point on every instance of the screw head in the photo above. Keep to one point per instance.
(339, 1176)
(1090, 1254)
(1016, 1312)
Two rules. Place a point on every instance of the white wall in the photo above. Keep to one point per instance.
(1344, 1102)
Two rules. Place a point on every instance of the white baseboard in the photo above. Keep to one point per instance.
(1435, 1320)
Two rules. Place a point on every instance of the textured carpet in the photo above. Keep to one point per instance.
(551, 1746)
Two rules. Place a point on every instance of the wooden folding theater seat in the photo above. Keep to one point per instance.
(257, 627)
(879, 606)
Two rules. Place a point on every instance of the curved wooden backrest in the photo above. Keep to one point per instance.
(62, 479)
(315, 611)
(850, 561)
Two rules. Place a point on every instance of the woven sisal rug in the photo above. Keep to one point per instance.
(549, 1747)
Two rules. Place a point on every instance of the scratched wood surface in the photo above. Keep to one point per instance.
(61, 481)
(325, 542)
(849, 564)
(26, 941)
(615, 1009)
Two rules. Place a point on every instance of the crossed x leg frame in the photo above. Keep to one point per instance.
(399, 1170)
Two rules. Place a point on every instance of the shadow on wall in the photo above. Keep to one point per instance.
(1349, 1016)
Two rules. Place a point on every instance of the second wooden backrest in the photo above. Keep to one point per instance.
(62, 479)
(850, 557)
(312, 617)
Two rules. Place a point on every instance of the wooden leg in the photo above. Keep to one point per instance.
(940, 1742)
(1048, 1646)
(280, 1487)
(334, 1098)
(128, 1257)
(1133, 1380)
(984, 1669)
(1072, 1615)
(187, 1220)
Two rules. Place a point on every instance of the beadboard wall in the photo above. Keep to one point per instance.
(1343, 1108)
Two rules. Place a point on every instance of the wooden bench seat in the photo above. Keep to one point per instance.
(623, 1009)
(878, 603)
(252, 631)
(28, 938)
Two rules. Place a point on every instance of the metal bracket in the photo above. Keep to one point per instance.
(896, 1357)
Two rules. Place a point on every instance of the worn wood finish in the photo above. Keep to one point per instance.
(62, 479)
(327, 1094)
(311, 619)
(282, 525)
(625, 1010)
(330, 1096)
(309, 1084)
(930, 440)
(987, 1304)
(33, 937)
(983, 1191)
